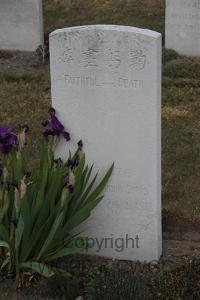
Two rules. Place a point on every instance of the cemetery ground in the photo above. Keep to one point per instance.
(25, 96)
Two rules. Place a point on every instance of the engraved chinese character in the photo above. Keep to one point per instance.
(113, 58)
(68, 55)
(90, 58)
(137, 58)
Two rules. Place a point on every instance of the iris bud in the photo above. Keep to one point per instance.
(52, 111)
(45, 123)
(25, 127)
(80, 144)
(27, 174)
(70, 188)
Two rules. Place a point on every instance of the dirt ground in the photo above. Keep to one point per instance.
(176, 254)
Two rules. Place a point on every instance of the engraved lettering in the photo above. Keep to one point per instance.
(90, 58)
(113, 58)
(137, 58)
(85, 81)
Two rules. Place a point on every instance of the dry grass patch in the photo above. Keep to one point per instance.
(172, 113)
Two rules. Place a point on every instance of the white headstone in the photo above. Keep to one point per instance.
(106, 87)
(21, 24)
(182, 28)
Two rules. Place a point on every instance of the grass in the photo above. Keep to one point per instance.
(181, 138)
(25, 95)
(139, 13)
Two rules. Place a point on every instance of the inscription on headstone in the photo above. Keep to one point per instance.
(182, 28)
(106, 88)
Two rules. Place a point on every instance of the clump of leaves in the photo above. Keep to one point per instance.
(39, 211)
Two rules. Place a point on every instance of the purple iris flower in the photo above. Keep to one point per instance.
(55, 128)
(52, 111)
(48, 132)
(5, 131)
(8, 139)
(66, 135)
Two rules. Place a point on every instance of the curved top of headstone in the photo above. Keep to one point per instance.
(120, 28)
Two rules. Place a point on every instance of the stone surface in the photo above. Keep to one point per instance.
(182, 28)
(21, 24)
(106, 88)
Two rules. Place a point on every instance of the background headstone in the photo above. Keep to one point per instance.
(21, 24)
(182, 28)
(106, 88)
